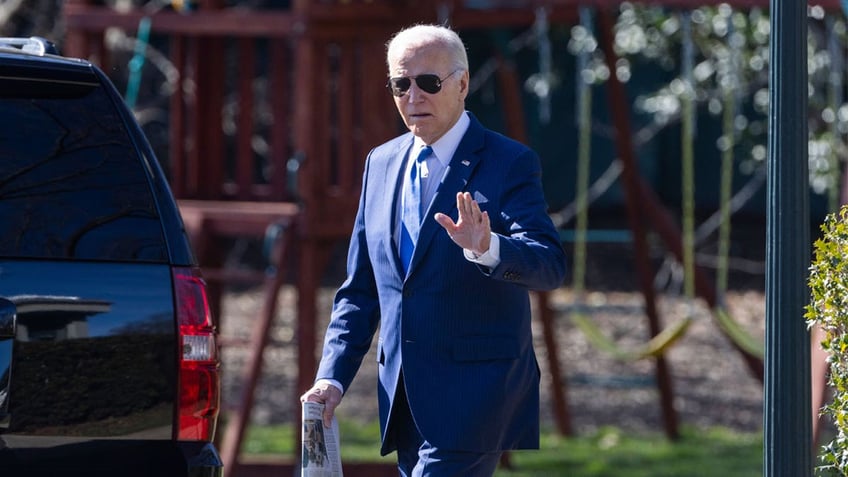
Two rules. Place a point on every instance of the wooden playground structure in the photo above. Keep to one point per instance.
(322, 108)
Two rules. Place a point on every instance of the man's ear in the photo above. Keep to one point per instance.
(464, 81)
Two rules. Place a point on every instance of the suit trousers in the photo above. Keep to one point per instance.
(418, 458)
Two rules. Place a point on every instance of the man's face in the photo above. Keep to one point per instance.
(429, 116)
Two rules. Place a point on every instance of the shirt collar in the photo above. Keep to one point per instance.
(446, 146)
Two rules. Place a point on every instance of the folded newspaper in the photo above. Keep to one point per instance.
(321, 456)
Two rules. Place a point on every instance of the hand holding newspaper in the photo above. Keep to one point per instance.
(321, 455)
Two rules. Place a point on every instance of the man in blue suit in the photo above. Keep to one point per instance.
(445, 248)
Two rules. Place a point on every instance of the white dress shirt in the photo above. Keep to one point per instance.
(436, 165)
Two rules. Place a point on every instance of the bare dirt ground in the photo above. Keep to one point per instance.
(711, 383)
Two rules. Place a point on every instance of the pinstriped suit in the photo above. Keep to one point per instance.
(461, 332)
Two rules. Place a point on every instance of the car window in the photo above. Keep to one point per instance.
(71, 183)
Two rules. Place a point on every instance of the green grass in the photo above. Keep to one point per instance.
(610, 452)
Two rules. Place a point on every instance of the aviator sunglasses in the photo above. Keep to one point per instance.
(429, 83)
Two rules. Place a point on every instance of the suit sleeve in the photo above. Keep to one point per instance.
(530, 250)
(355, 313)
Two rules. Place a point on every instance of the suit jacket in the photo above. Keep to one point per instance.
(461, 332)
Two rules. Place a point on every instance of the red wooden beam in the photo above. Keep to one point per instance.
(233, 218)
(229, 22)
(346, 20)
(177, 130)
(207, 150)
(326, 20)
(238, 421)
(245, 158)
(278, 89)
(630, 182)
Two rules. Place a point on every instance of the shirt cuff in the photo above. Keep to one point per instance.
(490, 259)
(331, 382)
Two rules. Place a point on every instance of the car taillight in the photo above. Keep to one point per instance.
(199, 379)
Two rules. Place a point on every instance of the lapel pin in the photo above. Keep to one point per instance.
(466, 163)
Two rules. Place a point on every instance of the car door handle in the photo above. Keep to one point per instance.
(8, 318)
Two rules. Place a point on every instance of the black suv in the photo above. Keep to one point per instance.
(108, 356)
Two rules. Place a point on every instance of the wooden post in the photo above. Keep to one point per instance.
(618, 101)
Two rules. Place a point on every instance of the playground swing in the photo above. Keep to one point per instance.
(731, 328)
(662, 341)
(729, 203)
(585, 193)
(659, 343)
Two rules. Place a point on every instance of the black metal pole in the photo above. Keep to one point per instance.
(787, 417)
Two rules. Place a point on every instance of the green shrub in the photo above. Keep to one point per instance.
(828, 309)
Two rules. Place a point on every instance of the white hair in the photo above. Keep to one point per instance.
(423, 35)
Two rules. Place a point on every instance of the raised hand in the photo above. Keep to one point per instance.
(472, 230)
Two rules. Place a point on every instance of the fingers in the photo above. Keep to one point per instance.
(313, 395)
(484, 238)
(328, 415)
(463, 205)
(446, 222)
(472, 229)
(326, 394)
(469, 209)
(332, 398)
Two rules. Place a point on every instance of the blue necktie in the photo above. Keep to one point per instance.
(411, 208)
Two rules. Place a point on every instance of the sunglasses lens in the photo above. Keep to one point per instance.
(399, 86)
(429, 83)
